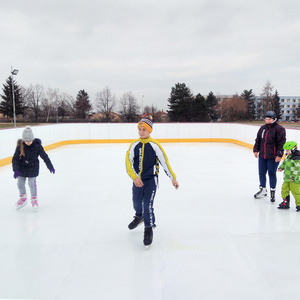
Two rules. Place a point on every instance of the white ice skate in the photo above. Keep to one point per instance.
(261, 193)
(22, 201)
(34, 203)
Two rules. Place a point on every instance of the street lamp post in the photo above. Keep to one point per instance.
(13, 72)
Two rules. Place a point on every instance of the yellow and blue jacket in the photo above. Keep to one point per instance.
(143, 158)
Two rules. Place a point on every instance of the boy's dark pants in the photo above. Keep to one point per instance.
(143, 198)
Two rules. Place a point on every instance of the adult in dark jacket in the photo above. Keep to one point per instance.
(26, 165)
(268, 148)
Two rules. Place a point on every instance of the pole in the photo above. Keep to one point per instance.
(13, 96)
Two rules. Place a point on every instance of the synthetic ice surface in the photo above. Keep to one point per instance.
(213, 239)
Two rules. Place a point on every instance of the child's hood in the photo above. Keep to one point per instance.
(296, 155)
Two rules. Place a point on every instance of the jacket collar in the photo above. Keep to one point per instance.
(144, 141)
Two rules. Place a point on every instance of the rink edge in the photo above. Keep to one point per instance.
(7, 160)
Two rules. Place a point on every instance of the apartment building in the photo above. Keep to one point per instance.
(289, 107)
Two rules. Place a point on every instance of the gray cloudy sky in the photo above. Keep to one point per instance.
(146, 47)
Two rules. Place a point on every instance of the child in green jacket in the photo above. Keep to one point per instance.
(291, 167)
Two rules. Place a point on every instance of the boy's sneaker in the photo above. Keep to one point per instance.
(285, 204)
(34, 203)
(297, 208)
(22, 201)
(136, 222)
(148, 236)
(261, 193)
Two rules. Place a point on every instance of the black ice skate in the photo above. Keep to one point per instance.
(272, 199)
(261, 193)
(148, 237)
(136, 222)
(285, 204)
(297, 208)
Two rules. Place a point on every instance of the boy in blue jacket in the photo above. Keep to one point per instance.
(142, 164)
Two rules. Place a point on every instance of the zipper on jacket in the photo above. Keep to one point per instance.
(265, 147)
(142, 158)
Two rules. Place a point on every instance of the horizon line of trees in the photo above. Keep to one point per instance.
(185, 107)
(36, 104)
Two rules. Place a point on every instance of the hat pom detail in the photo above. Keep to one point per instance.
(147, 123)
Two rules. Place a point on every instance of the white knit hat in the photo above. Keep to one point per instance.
(27, 134)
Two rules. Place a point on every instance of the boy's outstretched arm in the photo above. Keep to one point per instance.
(175, 184)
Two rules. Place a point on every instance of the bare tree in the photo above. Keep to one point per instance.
(129, 109)
(105, 102)
(151, 111)
(266, 99)
(232, 109)
(65, 106)
(49, 102)
(33, 98)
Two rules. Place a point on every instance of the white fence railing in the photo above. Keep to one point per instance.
(116, 132)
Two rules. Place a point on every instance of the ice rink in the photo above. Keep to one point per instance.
(213, 239)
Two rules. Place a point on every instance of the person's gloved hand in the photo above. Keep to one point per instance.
(17, 173)
(52, 170)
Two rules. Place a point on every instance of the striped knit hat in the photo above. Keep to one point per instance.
(146, 123)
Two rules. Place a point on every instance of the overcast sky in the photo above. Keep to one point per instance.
(146, 47)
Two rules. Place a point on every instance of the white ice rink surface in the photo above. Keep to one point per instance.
(213, 239)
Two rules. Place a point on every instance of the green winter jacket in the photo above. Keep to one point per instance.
(291, 167)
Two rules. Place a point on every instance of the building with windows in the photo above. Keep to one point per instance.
(289, 106)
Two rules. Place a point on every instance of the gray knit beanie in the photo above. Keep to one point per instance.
(27, 134)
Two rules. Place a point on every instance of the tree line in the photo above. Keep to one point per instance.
(36, 104)
(186, 107)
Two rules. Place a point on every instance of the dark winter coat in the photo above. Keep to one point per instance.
(29, 165)
(270, 140)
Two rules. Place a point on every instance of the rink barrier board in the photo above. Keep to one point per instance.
(7, 160)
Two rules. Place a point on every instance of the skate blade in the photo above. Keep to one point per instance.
(259, 197)
(147, 247)
(19, 207)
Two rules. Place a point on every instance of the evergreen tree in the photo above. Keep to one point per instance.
(200, 109)
(276, 106)
(82, 105)
(6, 105)
(180, 103)
(249, 97)
(212, 101)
